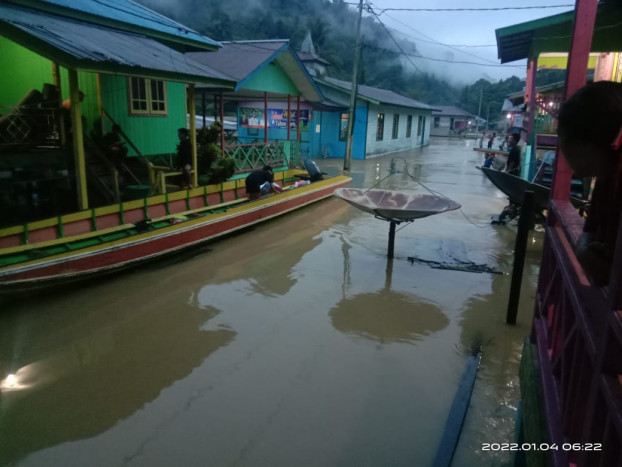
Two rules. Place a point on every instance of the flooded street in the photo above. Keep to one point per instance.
(296, 343)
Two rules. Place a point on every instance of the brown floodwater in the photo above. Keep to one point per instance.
(294, 343)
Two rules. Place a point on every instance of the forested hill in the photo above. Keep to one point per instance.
(333, 27)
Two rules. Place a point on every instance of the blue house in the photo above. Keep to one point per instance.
(384, 122)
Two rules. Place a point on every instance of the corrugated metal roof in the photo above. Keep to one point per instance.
(552, 34)
(379, 95)
(243, 59)
(306, 56)
(85, 46)
(240, 59)
(450, 110)
(124, 12)
(515, 42)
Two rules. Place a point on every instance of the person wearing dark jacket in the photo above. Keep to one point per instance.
(514, 156)
(184, 157)
(258, 179)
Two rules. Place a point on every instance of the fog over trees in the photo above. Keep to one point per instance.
(332, 24)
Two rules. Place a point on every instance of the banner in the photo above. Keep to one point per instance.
(277, 118)
(250, 118)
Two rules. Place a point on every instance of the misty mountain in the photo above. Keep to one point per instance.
(384, 64)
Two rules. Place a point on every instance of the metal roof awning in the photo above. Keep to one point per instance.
(87, 47)
(329, 106)
(126, 15)
(553, 33)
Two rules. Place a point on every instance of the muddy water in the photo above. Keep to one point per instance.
(295, 343)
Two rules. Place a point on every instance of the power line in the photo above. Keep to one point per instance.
(381, 49)
(541, 7)
(491, 64)
(370, 10)
(477, 9)
(434, 41)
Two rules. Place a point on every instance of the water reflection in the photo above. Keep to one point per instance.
(267, 262)
(407, 319)
(276, 341)
(80, 370)
(387, 315)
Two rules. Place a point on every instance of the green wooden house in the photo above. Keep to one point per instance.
(273, 101)
(71, 70)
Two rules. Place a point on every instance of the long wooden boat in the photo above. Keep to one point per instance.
(106, 239)
(515, 187)
(492, 151)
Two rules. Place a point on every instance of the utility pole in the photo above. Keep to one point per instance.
(479, 111)
(355, 69)
(488, 114)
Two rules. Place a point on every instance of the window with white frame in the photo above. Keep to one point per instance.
(147, 96)
(396, 126)
(380, 127)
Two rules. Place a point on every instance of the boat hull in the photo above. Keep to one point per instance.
(515, 187)
(112, 256)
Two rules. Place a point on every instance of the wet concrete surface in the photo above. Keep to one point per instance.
(294, 343)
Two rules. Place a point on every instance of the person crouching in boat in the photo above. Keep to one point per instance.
(261, 182)
(590, 138)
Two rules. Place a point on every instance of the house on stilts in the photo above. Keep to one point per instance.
(571, 383)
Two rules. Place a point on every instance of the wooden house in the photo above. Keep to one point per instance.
(274, 101)
(449, 120)
(571, 388)
(71, 69)
(384, 121)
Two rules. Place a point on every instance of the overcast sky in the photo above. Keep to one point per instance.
(463, 28)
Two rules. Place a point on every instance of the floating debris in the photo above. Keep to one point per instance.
(465, 266)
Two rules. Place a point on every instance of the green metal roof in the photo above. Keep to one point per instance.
(89, 47)
(126, 15)
(552, 34)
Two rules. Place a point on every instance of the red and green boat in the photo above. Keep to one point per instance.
(106, 239)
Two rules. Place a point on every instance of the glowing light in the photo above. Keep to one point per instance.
(508, 116)
(550, 104)
(11, 380)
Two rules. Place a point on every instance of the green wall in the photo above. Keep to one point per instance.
(272, 78)
(24, 70)
(151, 134)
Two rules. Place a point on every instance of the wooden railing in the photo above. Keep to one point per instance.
(29, 126)
(252, 156)
(578, 336)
